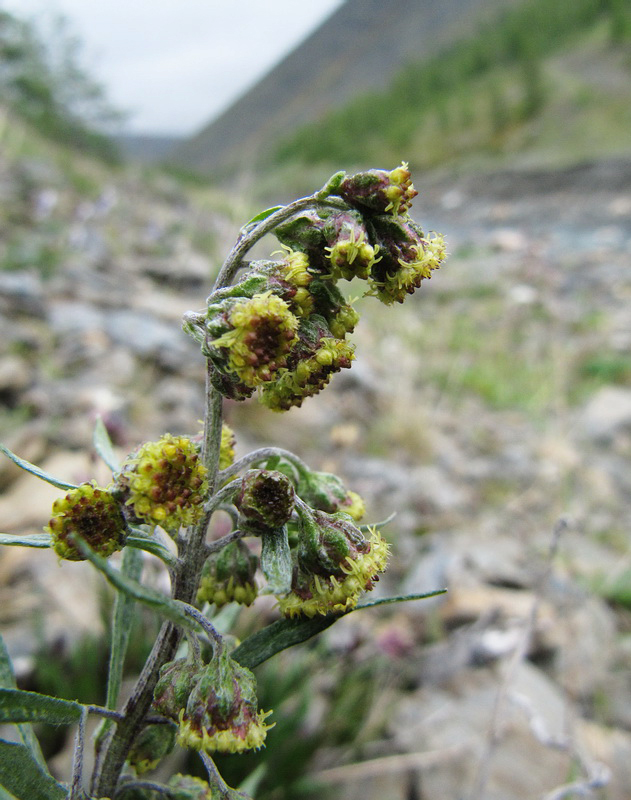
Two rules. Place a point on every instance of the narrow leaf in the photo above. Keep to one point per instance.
(41, 540)
(23, 777)
(285, 633)
(276, 561)
(122, 621)
(17, 705)
(150, 544)
(174, 610)
(403, 598)
(39, 473)
(7, 676)
(103, 445)
(7, 681)
(263, 215)
(278, 636)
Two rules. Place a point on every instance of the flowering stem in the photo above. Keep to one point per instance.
(248, 239)
(261, 455)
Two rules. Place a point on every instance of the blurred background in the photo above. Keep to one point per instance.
(491, 412)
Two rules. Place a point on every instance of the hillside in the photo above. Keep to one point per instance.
(358, 49)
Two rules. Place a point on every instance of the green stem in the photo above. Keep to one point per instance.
(248, 239)
(187, 572)
(261, 455)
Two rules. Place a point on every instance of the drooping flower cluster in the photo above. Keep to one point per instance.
(228, 576)
(216, 706)
(282, 329)
(164, 483)
(335, 565)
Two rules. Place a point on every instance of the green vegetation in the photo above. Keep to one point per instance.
(44, 84)
(474, 96)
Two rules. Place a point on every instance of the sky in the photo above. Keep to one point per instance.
(173, 65)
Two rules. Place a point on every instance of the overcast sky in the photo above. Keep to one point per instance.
(175, 64)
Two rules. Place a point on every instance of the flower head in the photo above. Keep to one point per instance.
(315, 358)
(164, 483)
(252, 337)
(407, 258)
(228, 576)
(265, 501)
(380, 191)
(336, 564)
(151, 745)
(349, 251)
(90, 514)
(324, 491)
(174, 687)
(222, 713)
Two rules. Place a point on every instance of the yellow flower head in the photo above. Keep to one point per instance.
(221, 713)
(262, 331)
(91, 514)
(316, 593)
(164, 483)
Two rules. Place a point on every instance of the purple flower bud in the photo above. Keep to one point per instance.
(380, 191)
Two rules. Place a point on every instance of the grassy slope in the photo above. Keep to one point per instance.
(546, 101)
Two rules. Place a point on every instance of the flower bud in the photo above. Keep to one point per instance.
(380, 191)
(222, 710)
(407, 258)
(341, 318)
(226, 451)
(252, 338)
(315, 358)
(350, 253)
(326, 492)
(266, 500)
(336, 564)
(228, 576)
(151, 745)
(186, 787)
(91, 514)
(164, 483)
(174, 686)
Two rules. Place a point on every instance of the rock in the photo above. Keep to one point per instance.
(607, 414)
(456, 718)
(15, 375)
(22, 293)
(148, 337)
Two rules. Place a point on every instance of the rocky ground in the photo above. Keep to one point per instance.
(492, 412)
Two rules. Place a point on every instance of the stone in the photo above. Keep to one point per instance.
(607, 414)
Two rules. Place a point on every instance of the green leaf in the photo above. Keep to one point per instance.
(278, 636)
(103, 445)
(402, 598)
(39, 473)
(174, 610)
(141, 540)
(7, 681)
(122, 621)
(40, 540)
(17, 705)
(23, 777)
(285, 633)
(276, 561)
(263, 215)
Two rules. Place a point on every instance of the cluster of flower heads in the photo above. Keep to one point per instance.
(214, 705)
(332, 562)
(161, 483)
(282, 329)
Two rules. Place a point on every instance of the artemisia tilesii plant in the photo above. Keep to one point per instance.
(277, 329)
